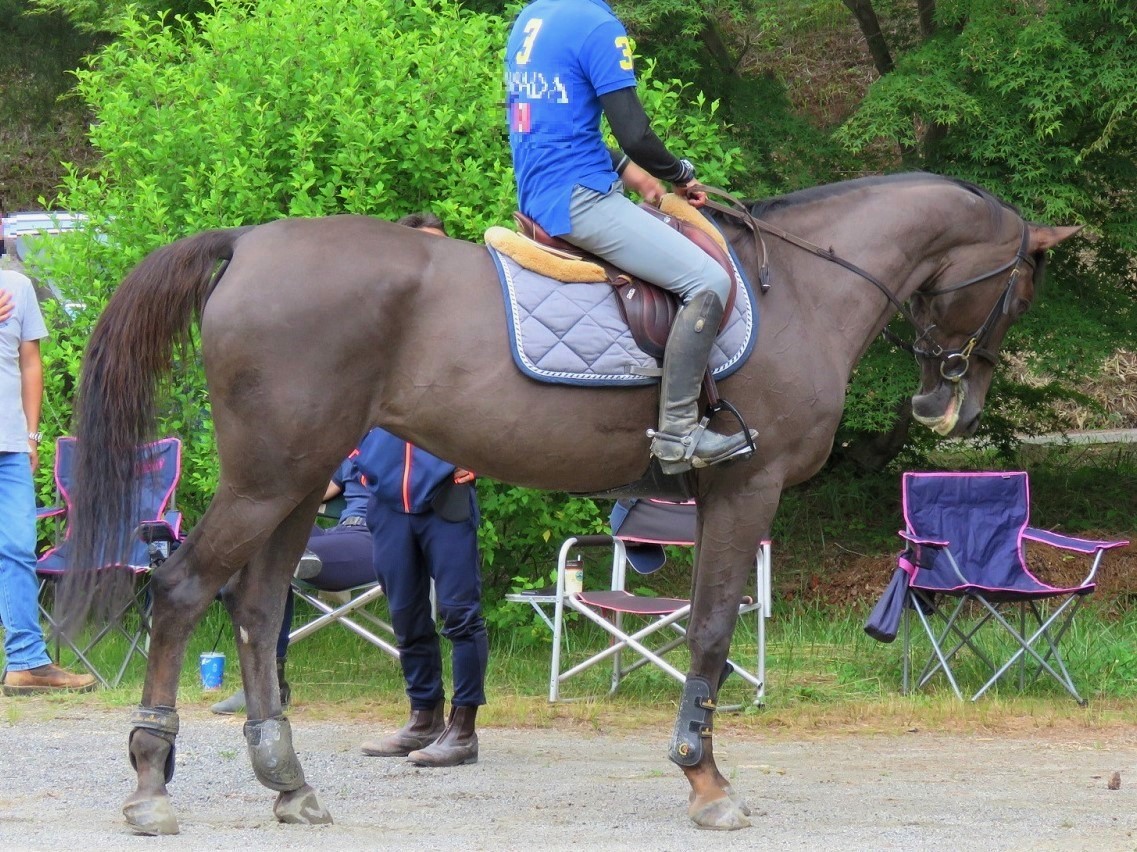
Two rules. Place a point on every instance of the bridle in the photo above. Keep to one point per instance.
(954, 363)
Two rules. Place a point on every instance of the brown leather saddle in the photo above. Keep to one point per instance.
(648, 310)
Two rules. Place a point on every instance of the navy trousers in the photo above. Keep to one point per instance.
(410, 551)
(345, 552)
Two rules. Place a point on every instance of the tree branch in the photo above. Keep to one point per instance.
(865, 14)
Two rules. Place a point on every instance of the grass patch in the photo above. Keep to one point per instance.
(824, 676)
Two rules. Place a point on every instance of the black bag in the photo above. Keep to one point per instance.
(451, 501)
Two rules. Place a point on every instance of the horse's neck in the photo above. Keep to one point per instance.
(865, 233)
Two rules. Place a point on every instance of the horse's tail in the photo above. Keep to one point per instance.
(131, 350)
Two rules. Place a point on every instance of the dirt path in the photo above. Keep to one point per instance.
(63, 781)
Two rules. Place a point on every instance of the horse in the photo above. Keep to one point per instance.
(312, 331)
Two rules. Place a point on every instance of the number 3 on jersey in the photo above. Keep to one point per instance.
(624, 45)
(531, 30)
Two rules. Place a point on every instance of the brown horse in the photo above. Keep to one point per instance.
(313, 331)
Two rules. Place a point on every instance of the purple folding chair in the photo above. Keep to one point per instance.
(158, 526)
(967, 536)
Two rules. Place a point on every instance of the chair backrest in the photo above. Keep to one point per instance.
(982, 515)
(645, 525)
(158, 469)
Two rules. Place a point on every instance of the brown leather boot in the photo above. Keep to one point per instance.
(458, 744)
(421, 729)
(49, 678)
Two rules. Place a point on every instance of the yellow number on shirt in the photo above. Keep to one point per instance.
(625, 47)
(531, 30)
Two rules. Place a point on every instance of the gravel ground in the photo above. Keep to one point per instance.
(64, 780)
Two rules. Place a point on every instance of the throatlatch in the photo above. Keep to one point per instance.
(694, 722)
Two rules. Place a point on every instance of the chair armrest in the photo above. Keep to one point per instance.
(1067, 542)
(926, 542)
(49, 511)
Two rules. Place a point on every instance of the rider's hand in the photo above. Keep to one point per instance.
(691, 192)
(6, 306)
(643, 184)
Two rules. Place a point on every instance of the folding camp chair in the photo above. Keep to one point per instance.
(343, 606)
(158, 470)
(966, 567)
(642, 528)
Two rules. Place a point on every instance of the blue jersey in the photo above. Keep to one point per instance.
(561, 57)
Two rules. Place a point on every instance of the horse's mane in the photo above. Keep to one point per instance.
(760, 208)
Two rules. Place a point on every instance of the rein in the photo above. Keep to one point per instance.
(954, 363)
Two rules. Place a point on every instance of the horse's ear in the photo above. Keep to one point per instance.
(1045, 237)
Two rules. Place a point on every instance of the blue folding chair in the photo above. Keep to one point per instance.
(965, 567)
(159, 529)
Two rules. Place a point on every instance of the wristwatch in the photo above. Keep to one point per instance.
(35, 436)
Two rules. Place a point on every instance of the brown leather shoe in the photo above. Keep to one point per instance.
(458, 744)
(49, 678)
(423, 728)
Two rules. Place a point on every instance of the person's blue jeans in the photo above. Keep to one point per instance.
(410, 550)
(24, 646)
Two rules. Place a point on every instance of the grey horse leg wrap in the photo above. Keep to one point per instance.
(162, 722)
(273, 758)
(694, 722)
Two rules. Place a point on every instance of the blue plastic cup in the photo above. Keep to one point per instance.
(212, 669)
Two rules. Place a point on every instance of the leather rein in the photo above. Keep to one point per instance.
(954, 363)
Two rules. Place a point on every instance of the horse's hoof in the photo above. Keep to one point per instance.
(720, 814)
(151, 815)
(737, 798)
(301, 806)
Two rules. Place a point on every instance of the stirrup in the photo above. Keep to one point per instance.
(690, 442)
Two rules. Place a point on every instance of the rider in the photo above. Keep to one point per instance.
(566, 62)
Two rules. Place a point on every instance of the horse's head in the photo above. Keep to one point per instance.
(964, 320)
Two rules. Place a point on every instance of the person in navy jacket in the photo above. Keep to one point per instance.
(423, 517)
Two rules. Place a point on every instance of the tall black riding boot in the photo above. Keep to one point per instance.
(458, 744)
(681, 442)
(422, 728)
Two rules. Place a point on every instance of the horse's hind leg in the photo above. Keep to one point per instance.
(255, 599)
(181, 590)
(222, 543)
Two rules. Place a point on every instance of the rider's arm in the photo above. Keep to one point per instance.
(638, 141)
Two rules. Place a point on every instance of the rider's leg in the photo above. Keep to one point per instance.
(614, 228)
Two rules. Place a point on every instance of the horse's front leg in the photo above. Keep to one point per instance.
(256, 602)
(713, 802)
(728, 538)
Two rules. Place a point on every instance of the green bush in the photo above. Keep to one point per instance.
(309, 108)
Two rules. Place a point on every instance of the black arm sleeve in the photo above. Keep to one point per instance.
(632, 130)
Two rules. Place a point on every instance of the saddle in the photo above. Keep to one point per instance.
(648, 310)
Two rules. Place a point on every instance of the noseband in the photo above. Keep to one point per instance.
(954, 363)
